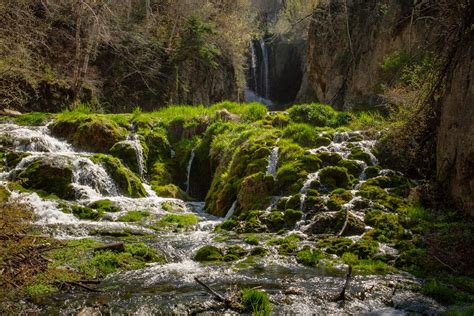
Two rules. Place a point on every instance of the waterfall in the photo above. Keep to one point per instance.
(306, 185)
(273, 162)
(258, 81)
(134, 141)
(265, 70)
(231, 210)
(188, 170)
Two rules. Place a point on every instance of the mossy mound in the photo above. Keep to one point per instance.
(127, 152)
(255, 191)
(51, 176)
(171, 191)
(333, 222)
(309, 256)
(104, 206)
(209, 254)
(127, 182)
(358, 154)
(334, 178)
(90, 133)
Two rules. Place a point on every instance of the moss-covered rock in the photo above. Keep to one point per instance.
(171, 191)
(104, 206)
(209, 254)
(364, 248)
(86, 213)
(255, 191)
(127, 182)
(233, 253)
(89, 133)
(49, 175)
(4, 194)
(128, 153)
(372, 171)
(335, 245)
(292, 217)
(333, 222)
(334, 178)
(352, 166)
(275, 221)
(358, 154)
(328, 159)
(309, 256)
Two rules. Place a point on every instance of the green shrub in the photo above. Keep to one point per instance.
(133, 216)
(317, 114)
(309, 256)
(256, 302)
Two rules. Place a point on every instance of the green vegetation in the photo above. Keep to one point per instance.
(208, 254)
(256, 302)
(183, 221)
(134, 216)
(309, 256)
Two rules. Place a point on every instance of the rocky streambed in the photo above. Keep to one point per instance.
(282, 214)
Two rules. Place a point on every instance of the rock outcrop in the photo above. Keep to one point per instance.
(455, 133)
(347, 44)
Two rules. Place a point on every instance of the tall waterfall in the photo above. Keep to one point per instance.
(188, 169)
(265, 70)
(258, 81)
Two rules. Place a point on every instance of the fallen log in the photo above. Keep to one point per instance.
(119, 246)
(83, 286)
(216, 295)
(342, 295)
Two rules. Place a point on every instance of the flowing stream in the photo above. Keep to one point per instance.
(170, 288)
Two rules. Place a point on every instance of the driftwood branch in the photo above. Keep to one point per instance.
(119, 246)
(216, 295)
(342, 295)
(83, 286)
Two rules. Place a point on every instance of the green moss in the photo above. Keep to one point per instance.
(44, 174)
(86, 213)
(352, 167)
(334, 177)
(309, 256)
(133, 216)
(358, 154)
(251, 240)
(127, 182)
(443, 293)
(317, 115)
(275, 221)
(372, 171)
(386, 225)
(104, 206)
(209, 254)
(39, 289)
(255, 191)
(227, 225)
(234, 253)
(33, 118)
(256, 302)
(178, 220)
(335, 245)
(286, 245)
(366, 266)
(4, 194)
(306, 135)
(94, 133)
(329, 159)
(292, 217)
(127, 153)
(171, 191)
(364, 248)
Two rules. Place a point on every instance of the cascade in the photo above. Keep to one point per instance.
(273, 162)
(188, 169)
(231, 210)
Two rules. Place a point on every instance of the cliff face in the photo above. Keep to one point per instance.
(348, 44)
(455, 133)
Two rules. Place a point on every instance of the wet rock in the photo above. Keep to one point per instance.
(12, 159)
(127, 182)
(9, 112)
(129, 154)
